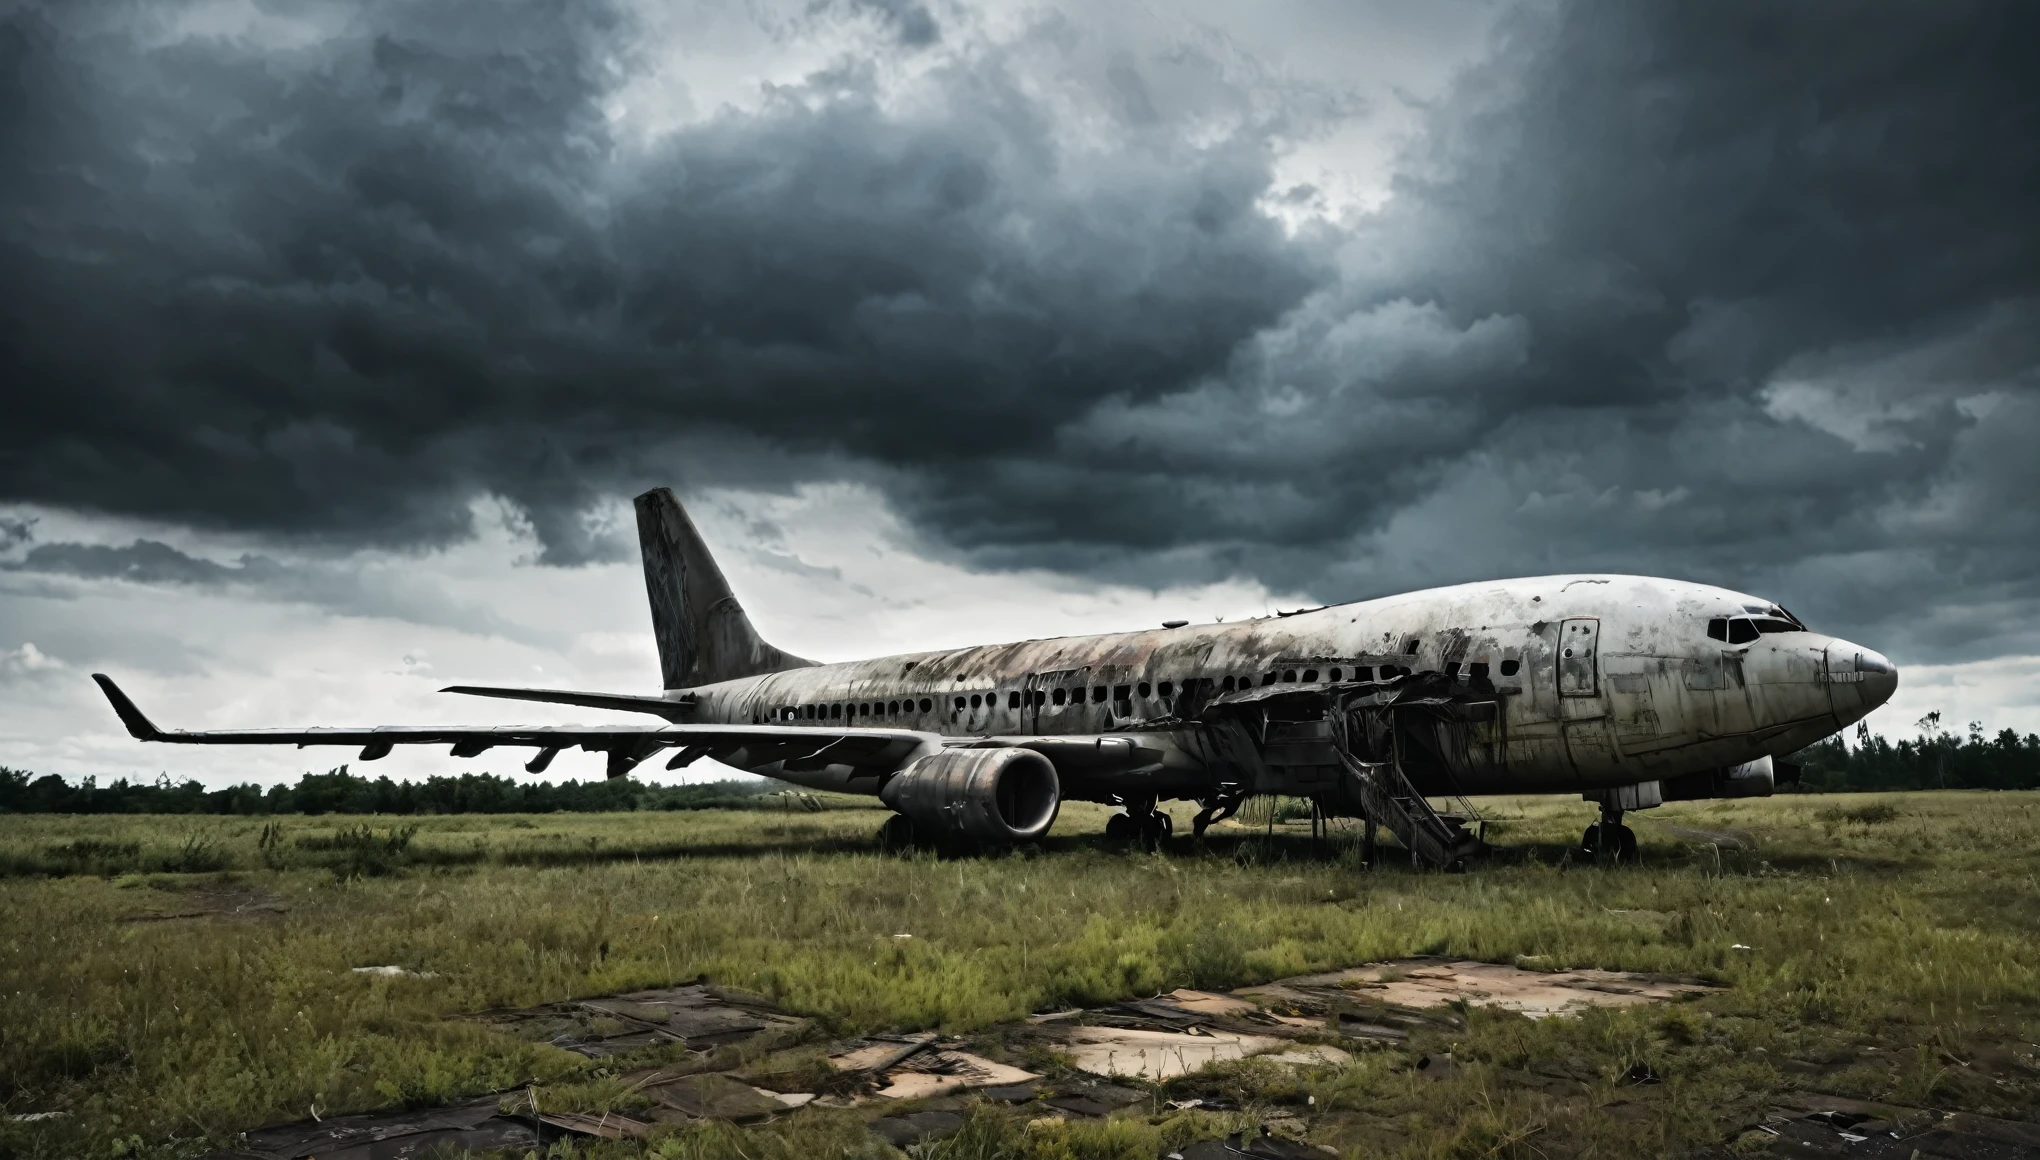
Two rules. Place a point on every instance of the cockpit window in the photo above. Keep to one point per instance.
(1718, 628)
(1741, 631)
(1766, 624)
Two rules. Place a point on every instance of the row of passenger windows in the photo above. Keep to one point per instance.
(1744, 629)
(1100, 694)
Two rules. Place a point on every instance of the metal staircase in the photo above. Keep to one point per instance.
(1385, 797)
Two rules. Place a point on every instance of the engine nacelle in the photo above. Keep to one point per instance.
(1757, 778)
(996, 796)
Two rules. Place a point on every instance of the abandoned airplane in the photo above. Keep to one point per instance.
(1629, 690)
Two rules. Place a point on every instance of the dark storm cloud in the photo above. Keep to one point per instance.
(339, 289)
(1742, 292)
(389, 592)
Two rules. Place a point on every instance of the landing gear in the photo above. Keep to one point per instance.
(897, 834)
(1608, 840)
(1216, 809)
(1142, 824)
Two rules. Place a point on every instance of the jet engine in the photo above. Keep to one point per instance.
(996, 796)
(1757, 778)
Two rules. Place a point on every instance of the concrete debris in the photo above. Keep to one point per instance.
(1813, 1125)
(934, 1073)
(1154, 1039)
(1312, 1055)
(718, 1097)
(472, 1126)
(1424, 983)
(694, 1016)
(1157, 1055)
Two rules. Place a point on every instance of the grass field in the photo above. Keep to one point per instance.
(168, 981)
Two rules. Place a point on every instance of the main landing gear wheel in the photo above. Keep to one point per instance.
(1147, 827)
(897, 834)
(1609, 841)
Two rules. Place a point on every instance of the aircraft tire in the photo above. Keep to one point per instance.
(897, 834)
(1611, 841)
(1119, 827)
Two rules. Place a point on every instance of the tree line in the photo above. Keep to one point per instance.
(1937, 759)
(342, 792)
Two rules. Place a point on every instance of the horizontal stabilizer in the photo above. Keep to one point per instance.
(672, 709)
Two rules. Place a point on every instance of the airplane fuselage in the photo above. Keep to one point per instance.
(1596, 681)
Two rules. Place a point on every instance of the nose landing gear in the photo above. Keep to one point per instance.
(1608, 840)
(1142, 824)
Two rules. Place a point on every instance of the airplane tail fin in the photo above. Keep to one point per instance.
(702, 631)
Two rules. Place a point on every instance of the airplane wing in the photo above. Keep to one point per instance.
(748, 746)
(627, 702)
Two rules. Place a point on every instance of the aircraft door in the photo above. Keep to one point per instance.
(1582, 712)
(1579, 640)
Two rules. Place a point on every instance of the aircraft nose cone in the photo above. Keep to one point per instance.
(1879, 676)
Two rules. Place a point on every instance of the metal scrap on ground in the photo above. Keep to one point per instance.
(1312, 1021)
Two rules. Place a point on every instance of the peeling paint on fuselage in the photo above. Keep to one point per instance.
(1647, 694)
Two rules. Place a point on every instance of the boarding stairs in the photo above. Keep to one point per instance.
(1306, 758)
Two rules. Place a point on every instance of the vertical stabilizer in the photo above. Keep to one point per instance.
(702, 631)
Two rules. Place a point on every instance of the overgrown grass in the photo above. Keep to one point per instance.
(1888, 955)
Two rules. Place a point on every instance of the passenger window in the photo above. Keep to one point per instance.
(1167, 689)
(1013, 700)
(1288, 674)
(1718, 628)
(1412, 649)
(1122, 692)
(1039, 697)
(1741, 631)
(1451, 668)
(1364, 673)
(1478, 670)
(1333, 675)
(1060, 696)
(864, 709)
(892, 708)
(959, 702)
(1269, 678)
(1145, 690)
(976, 702)
(926, 704)
(1309, 676)
(1227, 684)
(835, 710)
(1510, 668)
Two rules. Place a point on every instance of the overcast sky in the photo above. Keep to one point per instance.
(335, 337)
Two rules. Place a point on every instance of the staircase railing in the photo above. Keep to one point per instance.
(1386, 797)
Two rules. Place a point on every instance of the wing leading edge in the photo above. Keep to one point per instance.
(746, 746)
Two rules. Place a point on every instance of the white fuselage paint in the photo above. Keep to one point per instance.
(1645, 694)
